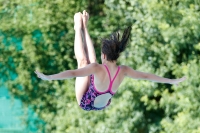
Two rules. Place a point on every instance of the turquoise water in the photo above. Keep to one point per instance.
(11, 109)
(10, 113)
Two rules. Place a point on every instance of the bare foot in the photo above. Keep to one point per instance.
(78, 23)
(85, 18)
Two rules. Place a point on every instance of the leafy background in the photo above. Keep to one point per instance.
(165, 40)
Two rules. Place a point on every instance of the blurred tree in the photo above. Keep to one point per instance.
(44, 28)
(165, 40)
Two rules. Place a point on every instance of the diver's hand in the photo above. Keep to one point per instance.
(42, 76)
(177, 81)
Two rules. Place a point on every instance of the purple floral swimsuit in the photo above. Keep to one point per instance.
(87, 101)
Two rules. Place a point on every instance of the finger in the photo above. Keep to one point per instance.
(36, 71)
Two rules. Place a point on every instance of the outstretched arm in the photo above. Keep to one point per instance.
(85, 71)
(147, 76)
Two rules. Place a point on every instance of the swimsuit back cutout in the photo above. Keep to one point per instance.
(87, 101)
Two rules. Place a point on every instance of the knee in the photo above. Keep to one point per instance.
(82, 63)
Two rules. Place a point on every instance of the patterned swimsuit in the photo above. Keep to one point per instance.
(87, 101)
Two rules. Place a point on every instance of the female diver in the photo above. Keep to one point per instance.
(96, 83)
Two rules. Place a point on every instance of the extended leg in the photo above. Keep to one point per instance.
(90, 48)
(81, 84)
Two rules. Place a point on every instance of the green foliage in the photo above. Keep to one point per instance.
(165, 40)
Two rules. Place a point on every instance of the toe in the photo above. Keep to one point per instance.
(84, 12)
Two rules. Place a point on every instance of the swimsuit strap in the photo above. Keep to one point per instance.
(111, 81)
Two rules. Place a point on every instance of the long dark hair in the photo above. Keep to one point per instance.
(113, 46)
